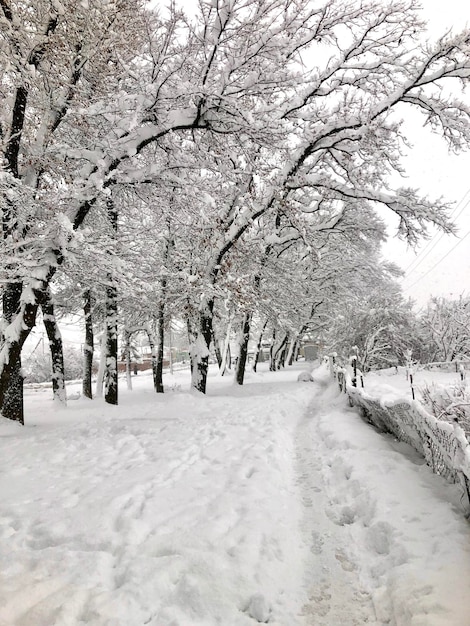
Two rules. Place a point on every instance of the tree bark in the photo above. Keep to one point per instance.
(296, 350)
(111, 314)
(88, 348)
(272, 352)
(11, 382)
(258, 347)
(161, 338)
(243, 353)
(291, 351)
(101, 367)
(154, 356)
(111, 372)
(56, 348)
(127, 356)
(280, 357)
(200, 341)
(218, 353)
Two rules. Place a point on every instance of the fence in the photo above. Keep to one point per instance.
(443, 445)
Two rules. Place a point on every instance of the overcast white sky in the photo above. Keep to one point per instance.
(438, 173)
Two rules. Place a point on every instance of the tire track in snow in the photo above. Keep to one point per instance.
(334, 591)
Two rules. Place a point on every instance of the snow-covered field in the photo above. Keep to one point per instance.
(272, 502)
(388, 383)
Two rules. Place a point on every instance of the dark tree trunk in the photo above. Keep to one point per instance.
(158, 372)
(154, 356)
(111, 372)
(292, 350)
(56, 348)
(296, 350)
(161, 338)
(111, 314)
(200, 342)
(281, 353)
(88, 348)
(258, 346)
(272, 353)
(243, 353)
(218, 354)
(11, 382)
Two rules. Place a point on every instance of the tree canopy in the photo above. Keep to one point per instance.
(221, 165)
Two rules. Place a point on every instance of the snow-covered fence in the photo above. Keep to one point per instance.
(443, 445)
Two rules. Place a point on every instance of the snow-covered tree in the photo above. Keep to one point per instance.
(232, 112)
(445, 329)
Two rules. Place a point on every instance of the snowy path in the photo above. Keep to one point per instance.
(390, 544)
(335, 595)
(272, 502)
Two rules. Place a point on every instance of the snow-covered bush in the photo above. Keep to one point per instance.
(448, 403)
(37, 367)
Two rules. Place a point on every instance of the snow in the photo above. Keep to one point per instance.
(394, 386)
(268, 503)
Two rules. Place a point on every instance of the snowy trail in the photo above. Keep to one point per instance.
(335, 595)
(267, 503)
(390, 544)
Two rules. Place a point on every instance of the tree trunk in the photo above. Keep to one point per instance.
(111, 371)
(56, 348)
(225, 351)
(161, 338)
(154, 355)
(111, 315)
(291, 351)
(218, 354)
(11, 382)
(258, 346)
(280, 353)
(88, 348)
(243, 353)
(200, 341)
(101, 367)
(127, 356)
(272, 352)
(158, 371)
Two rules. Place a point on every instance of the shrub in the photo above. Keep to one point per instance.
(448, 403)
(37, 367)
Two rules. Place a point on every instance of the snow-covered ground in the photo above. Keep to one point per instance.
(272, 502)
(394, 385)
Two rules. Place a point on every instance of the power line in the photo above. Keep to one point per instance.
(437, 241)
(419, 258)
(440, 261)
